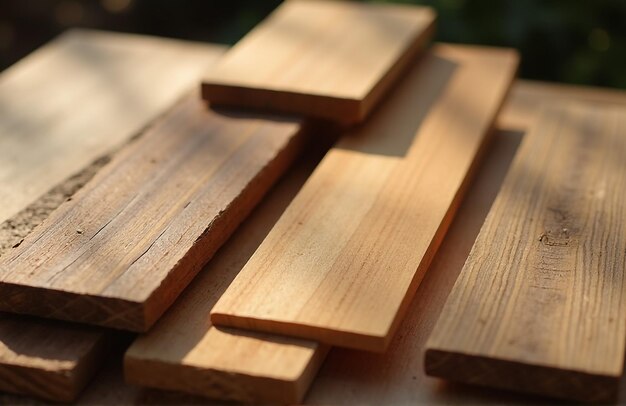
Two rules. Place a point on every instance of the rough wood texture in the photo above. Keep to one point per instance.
(343, 262)
(78, 98)
(184, 352)
(46, 154)
(539, 305)
(354, 377)
(330, 59)
(125, 246)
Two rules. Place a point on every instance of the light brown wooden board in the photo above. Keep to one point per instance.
(120, 252)
(46, 153)
(354, 377)
(81, 96)
(329, 59)
(343, 262)
(184, 352)
(539, 306)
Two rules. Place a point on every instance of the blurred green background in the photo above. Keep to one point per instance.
(573, 41)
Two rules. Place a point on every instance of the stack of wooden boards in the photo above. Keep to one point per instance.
(333, 261)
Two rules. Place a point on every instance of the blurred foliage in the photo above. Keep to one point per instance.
(571, 41)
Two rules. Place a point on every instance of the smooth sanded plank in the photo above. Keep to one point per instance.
(342, 263)
(539, 305)
(184, 352)
(78, 98)
(323, 58)
(125, 246)
(42, 164)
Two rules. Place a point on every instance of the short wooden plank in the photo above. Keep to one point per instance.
(539, 306)
(125, 246)
(50, 360)
(329, 59)
(47, 153)
(81, 96)
(343, 262)
(184, 352)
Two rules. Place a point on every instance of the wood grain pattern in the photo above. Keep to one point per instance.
(125, 246)
(184, 352)
(79, 98)
(539, 305)
(396, 377)
(342, 263)
(46, 153)
(329, 59)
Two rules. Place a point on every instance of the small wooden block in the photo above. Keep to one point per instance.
(328, 59)
(184, 352)
(539, 306)
(49, 360)
(119, 253)
(343, 262)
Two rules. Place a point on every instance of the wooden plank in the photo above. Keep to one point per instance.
(539, 305)
(184, 352)
(328, 59)
(120, 252)
(397, 377)
(323, 273)
(54, 360)
(80, 97)
(50, 360)
(523, 108)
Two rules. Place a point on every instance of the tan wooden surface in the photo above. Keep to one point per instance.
(343, 262)
(184, 352)
(330, 59)
(353, 377)
(539, 305)
(119, 253)
(46, 153)
(78, 98)
(50, 360)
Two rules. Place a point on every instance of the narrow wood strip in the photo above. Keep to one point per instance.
(329, 59)
(343, 262)
(539, 305)
(184, 352)
(80, 97)
(48, 150)
(125, 246)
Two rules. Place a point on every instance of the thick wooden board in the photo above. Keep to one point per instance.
(397, 377)
(50, 360)
(184, 352)
(343, 262)
(329, 59)
(125, 246)
(46, 154)
(539, 305)
(79, 98)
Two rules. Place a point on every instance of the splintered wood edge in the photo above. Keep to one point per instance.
(511, 375)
